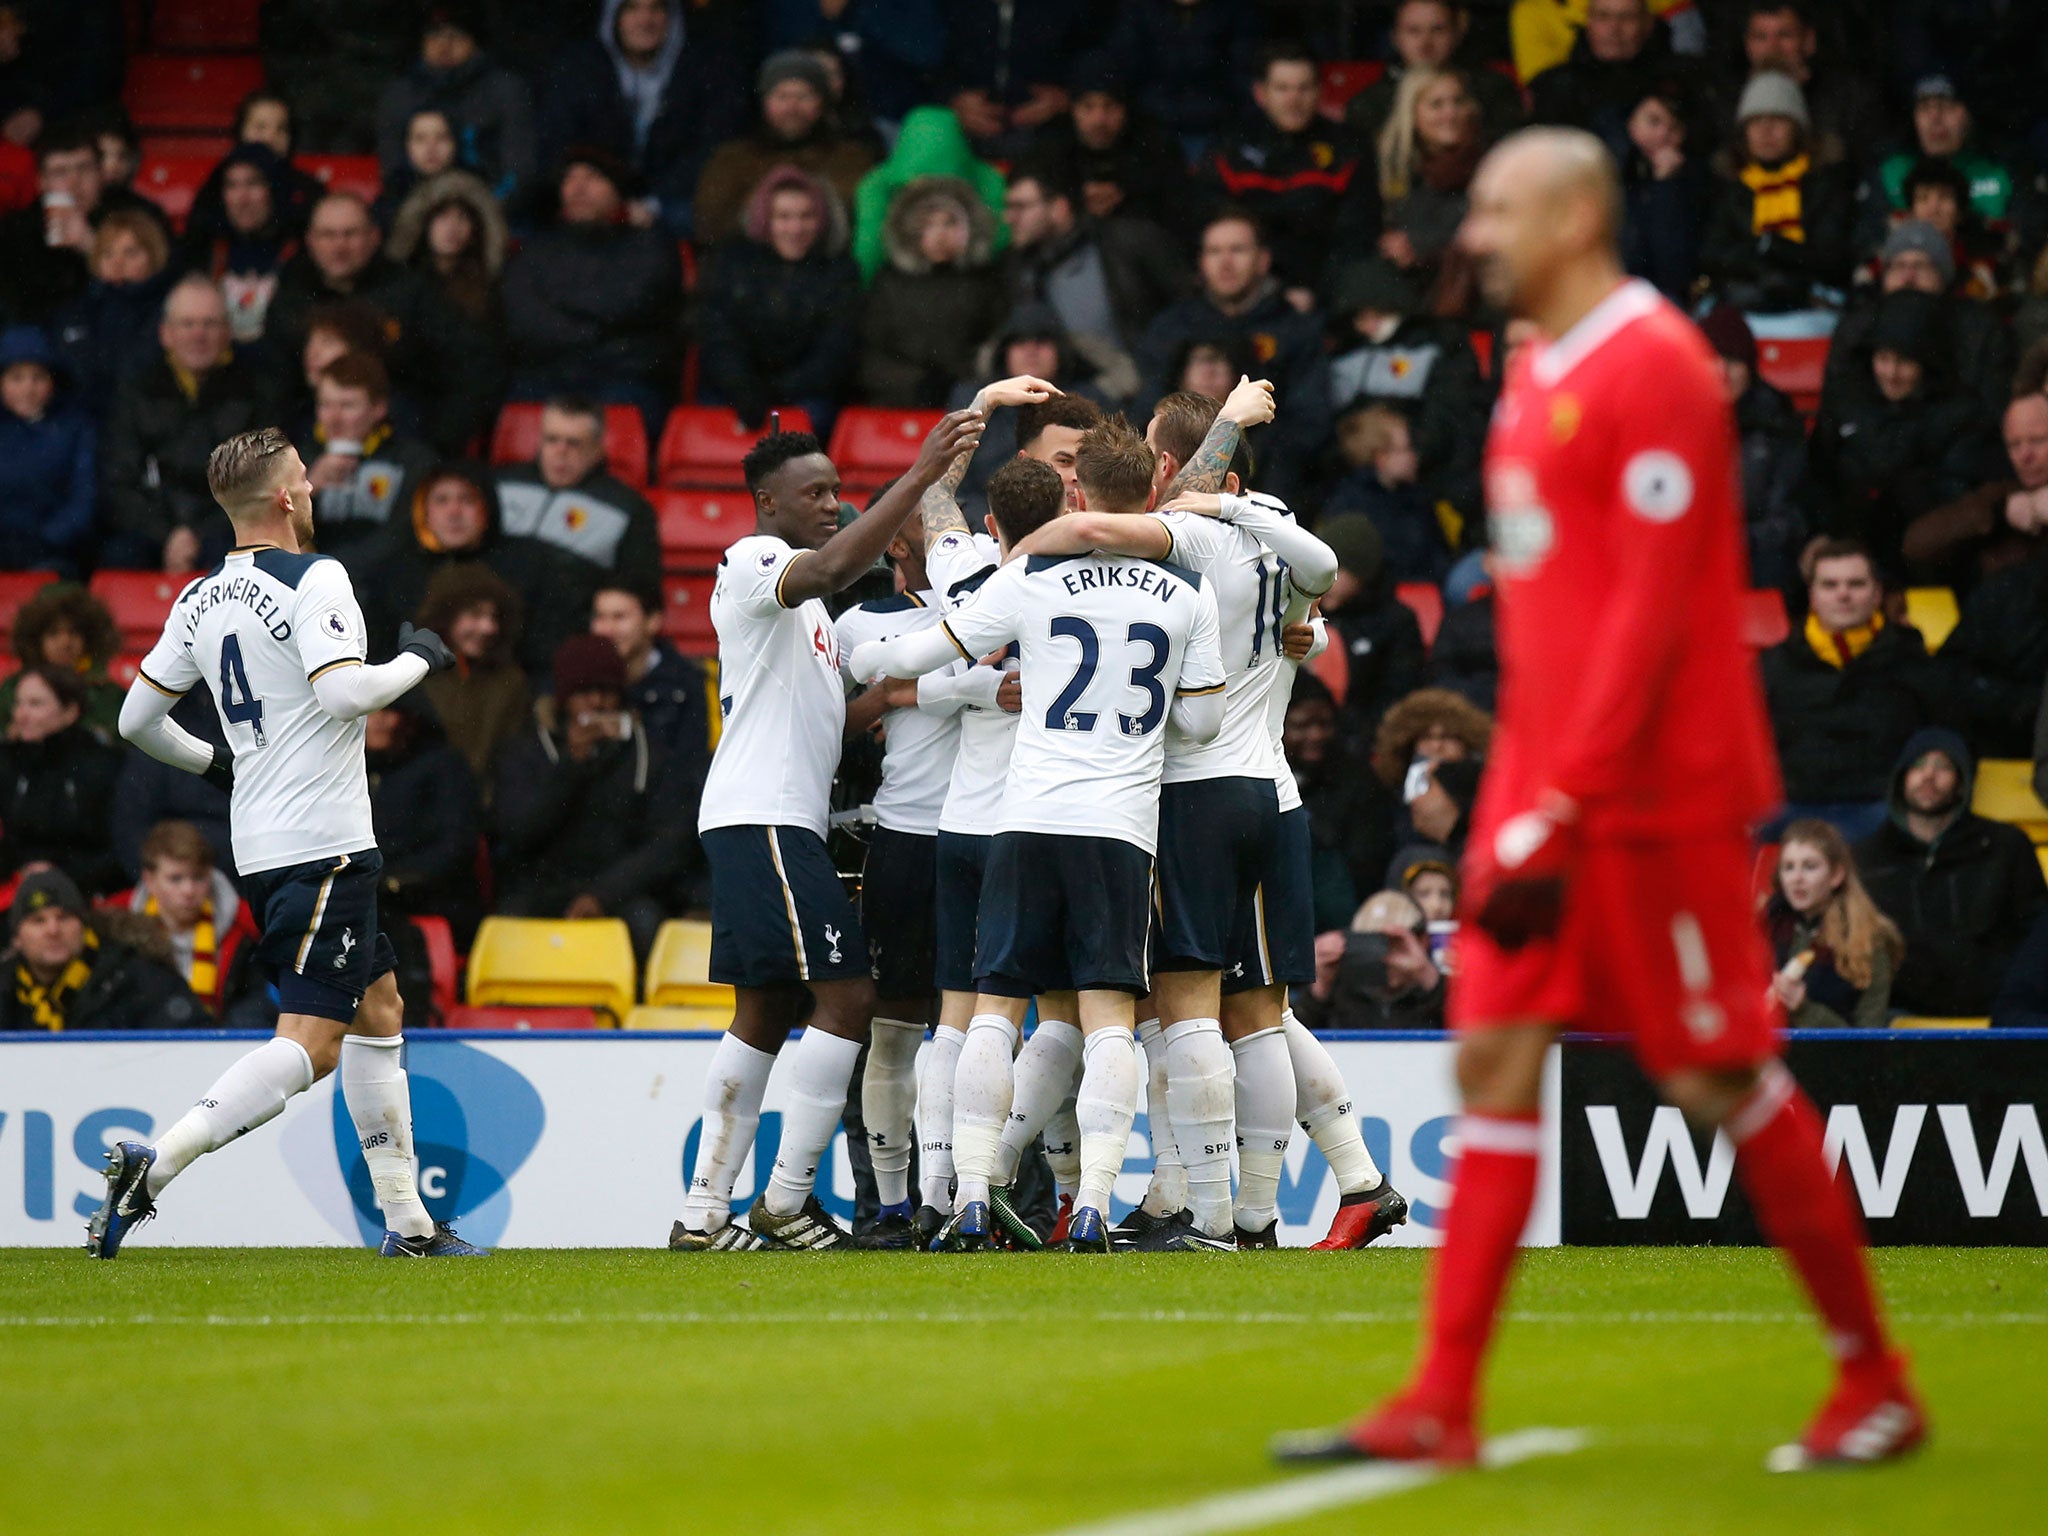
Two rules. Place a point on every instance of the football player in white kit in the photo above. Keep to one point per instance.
(275, 633)
(783, 931)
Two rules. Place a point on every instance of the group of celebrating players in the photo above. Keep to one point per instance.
(1084, 803)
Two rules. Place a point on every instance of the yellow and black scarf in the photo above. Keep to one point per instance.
(1839, 649)
(45, 1004)
(204, 977)
(1777, 209)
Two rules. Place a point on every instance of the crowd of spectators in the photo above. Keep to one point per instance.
(794, 203)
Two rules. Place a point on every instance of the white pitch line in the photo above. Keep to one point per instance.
(1296, 1498)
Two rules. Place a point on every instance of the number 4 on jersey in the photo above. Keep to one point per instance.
(238, 706)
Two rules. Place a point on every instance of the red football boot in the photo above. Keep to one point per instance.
(1404, 1429)
(1863, 1422)
(1365, 1217)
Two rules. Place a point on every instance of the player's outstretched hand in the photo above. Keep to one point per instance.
(1199, 503)
(958, 432)
(1251, 403)
(1297, 640)
(426, 645)
(1518, 876)
(1022, 390)
(866, 661)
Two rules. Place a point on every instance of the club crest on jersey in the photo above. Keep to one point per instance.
(1565, 415)
(1520, 527)
(832, 938)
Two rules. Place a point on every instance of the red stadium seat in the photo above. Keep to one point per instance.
(517, 439)
(478, 1016)
(16, 588)
(871, 444)
(123, 669)
(359, 174)
(440, 941)
(697, 527)
(1764, 620)
(195, 90)
(202, 24)
(702, 446)
(1333, 667)
(686, 601)
(183, 146)
(140, 601)
(172, 183)
(1344, 79)
(1427, 601)
(1796, 367)
(1482, 348)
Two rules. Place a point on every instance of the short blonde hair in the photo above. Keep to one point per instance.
(134, 222)
(245, 466)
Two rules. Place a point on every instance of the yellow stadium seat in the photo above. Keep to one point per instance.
(2005, 792)
(2042, 855)
(544, 963)
(1909, 1021)
(679, 970)
(650, 1016)
(1932, 611)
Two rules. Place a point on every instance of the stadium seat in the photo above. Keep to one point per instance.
(208, 146)
(674, 1017)
(359, 174)
(1796, 366)
(1913, 1021)
(1333, 667)
(16, 588)
(686, 605)
(1427, 601)
(871, 445)
(2005, 792)
(1932, 611)
(702, 445)
(191, 90)
(521, 1019)
(697, 527)
(202, 24)
(123, 669)
(1764, 620)
(140, 601)
(548, 963)
(1344, 79)
(679, 969)
(173, 181)
(440, 941)
(516, 439)
(2042, 855)
(1482, 348)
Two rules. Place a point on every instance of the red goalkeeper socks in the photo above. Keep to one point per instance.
(1493, 1187)
(1777, 1136)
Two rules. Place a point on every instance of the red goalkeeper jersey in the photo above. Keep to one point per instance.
(1617, 531)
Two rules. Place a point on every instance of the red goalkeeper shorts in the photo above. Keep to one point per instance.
(1659, 946)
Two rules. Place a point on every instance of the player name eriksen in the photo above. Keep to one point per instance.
(240, 589)
(1146, 578)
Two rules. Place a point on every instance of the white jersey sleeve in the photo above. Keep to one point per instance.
(170, 666)
(753, 574)
(1201, 669)
(990, 619)
(327, 621)
(957, 563)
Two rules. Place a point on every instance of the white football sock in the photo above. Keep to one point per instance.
(1265, 1121)
(820, 1067)
(888, 1101)
(935, 1118)
(378, 1093)
(1040, 1082)
(1200, 1090)
(1323, 1106)
(981, 1103)
(732, 1112)
(1168, 1190)
(1104, 1108)
(250, 1093)
(1063, 1147)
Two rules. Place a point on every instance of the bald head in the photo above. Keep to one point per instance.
(1545, 208)
(1565, 168)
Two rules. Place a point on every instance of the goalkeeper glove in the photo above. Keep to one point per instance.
(1518, 877)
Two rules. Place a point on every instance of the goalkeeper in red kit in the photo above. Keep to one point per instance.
(1608, 865)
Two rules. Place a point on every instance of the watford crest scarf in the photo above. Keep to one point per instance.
(1777, 208)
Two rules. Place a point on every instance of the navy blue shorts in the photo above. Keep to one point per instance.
(1277, 939)
(779, 912)
(1063, 914)
(321, 943)
(962, 861)
(896, 910)
(1215, 837)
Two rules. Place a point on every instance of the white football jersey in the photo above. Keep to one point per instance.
(917, 748)
(779, 695)
(257, 630)
(1280, 692)
(957, 564)
(1250, 584)
(1107, 643)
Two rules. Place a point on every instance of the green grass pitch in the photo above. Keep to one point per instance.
(219, 1391)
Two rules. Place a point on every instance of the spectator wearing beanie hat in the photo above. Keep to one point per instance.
(593, 820)
(1777, 224)
(67, 968)
(794, 127)
(1773, 440)
(1121, 158)
(487, 105)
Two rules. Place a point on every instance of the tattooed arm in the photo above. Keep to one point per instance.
(939, 507)
(1249, 405)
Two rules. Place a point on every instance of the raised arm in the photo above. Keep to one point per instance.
(1249, 405)
(1109, 533)
(847, 555)
(909, 655)
(939, 507)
